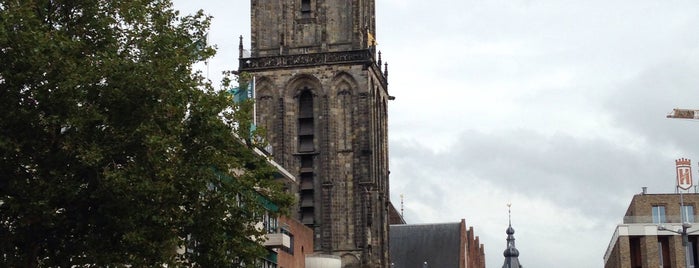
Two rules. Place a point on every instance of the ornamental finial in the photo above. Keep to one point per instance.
(509, 213)
(240, 48)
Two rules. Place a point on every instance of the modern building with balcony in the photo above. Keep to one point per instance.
(659, 230)
(288, 241)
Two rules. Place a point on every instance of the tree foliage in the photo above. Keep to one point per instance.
(113, 151)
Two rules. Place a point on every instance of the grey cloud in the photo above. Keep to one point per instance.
(569, 171)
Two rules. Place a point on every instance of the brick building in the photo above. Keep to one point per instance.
(321, 96)
(300, 243)
(287, 240)
(643, 239)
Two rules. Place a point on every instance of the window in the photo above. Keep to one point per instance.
(664, 251)
(306, 125)
(305, 6)
(289, 250)
(306, 104)
(306, 144)
(268, 264)
(660, 253)
(691, 247)
(690, 256)
(635, 250)
(270, 223)
(658, 214)
(688, 213)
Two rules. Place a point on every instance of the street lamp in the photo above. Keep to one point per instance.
(685, 238)
(684, 181)
(682, 231)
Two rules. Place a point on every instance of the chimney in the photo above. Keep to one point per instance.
(645, 190)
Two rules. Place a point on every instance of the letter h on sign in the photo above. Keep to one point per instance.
(684, 173)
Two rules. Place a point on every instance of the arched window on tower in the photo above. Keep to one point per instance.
(306, 134)
(305, 120)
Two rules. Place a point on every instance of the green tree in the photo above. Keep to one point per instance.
(113, 151)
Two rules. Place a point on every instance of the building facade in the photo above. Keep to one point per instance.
(298, 243)
(436, 245)
(651, 233)
(321, 97)
(287, 240)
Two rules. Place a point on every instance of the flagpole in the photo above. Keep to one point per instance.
(685, 235)
(684, 178)
(207, 59)
(254, 104)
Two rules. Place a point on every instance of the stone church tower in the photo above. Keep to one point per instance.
(322, 97)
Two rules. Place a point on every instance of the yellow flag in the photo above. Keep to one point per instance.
(371, 40)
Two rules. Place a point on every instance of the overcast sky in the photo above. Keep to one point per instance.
(557, 106)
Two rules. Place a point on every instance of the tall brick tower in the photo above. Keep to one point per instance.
(322, 97)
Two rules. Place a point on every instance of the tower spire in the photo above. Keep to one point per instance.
(511, 253)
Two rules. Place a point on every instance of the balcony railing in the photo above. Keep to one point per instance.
(305, 59)
(649, 219)
(278, 240)
(249, 64)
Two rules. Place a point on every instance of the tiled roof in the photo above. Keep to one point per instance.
(415, 244)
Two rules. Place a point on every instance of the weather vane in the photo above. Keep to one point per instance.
(509, 212)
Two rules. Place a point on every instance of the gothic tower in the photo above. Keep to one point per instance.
(322, 98)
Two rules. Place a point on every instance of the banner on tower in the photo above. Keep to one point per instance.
(684, 173)
(242, 94)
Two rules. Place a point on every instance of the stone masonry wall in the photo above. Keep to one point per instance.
(350, 155)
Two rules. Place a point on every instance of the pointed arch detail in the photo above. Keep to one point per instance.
(343, 88)
(304, 82)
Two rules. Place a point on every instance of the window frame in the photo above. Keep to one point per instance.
(658, 214)
(687, 216)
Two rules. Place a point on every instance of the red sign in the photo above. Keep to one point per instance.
(684, 173)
